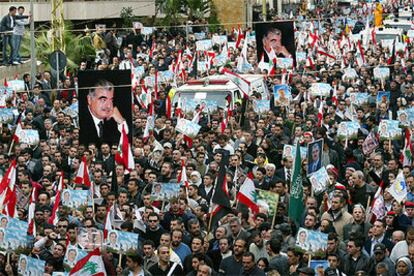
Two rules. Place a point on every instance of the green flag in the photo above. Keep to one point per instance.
(296, 190)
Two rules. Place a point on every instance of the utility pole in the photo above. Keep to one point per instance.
(33, 62)
(264, 12)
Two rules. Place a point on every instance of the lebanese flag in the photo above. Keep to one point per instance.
(82, 177)
(196, 118)
(247, 194)
(179, 107)
(310, 63)
(92, 264)
(54, 217)
(8, 197)
(31, 230)
(238, 80)
(335, 96)
(326, 54)
(182, 177)
(320, 114)
(378, 209)
(360, 54)
(156, 85)
(108, 223)
(240, 36)
(18, 132)
(124, 154)
(153, 47)
(406, 157)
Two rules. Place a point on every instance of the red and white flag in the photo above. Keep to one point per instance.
(378, 210)
(247, 194)
(54, 217)
(8, 197)
(182, 177)
(124, 154)
(360, 55)
(31, 214)
(82, 177)
(406, 157)
(320, 114)
(108, 223)
(92, 265)
(238, 80)
(149, 126)
(18, 132)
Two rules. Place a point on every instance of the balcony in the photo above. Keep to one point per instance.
(84, 10)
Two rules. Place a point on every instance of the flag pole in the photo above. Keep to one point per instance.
(11, 146)
(120, 260)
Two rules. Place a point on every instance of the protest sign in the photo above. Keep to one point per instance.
(122, 242)
(165, 191)
(315, 156)
(76, 198)
(403, 117)
(17, 85)
(6, 115)
(267, 201)
(187, 127)
(147, 30)
(348, 130)
(261, 106)
(389, 130)
(370, 144)
(282, 94)
(13, 234)
(204, 45)
(90, 238)
(320, 89)
(29, 266)
(381, 73)
(359, 99)
(29, 136)
(319, 180)
(284, 63)
(219, 39)
(383, 97)
(72, 256)
(311, 241)
(319, 266)
(200, 36)
(290, 150)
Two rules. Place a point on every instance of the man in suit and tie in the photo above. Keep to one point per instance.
(6, 29)
(285, 172)
(103, 121)
(315, 154)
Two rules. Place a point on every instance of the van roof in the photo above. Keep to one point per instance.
(216, 86)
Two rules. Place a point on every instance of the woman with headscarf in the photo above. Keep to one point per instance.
(404, 267)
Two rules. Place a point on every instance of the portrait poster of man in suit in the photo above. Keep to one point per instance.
(104, 106)
(275, 40)
(315, 156)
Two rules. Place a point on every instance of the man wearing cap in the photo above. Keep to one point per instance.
(409, 210)
(380, 256)
(306, 271)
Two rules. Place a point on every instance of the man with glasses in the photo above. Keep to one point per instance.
(154, 229)
(355, 260)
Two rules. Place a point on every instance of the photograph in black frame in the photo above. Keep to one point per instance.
(101, 112)
(280, 35)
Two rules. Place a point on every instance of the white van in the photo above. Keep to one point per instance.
(213, 91)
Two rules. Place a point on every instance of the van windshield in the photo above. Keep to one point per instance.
(211, 98)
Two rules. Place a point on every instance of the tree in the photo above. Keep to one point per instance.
(78, 47)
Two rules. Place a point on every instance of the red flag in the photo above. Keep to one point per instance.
(156, 85)
(82, 177)
(124, 154)
(92, 265)
(30, 219)
(8, 197)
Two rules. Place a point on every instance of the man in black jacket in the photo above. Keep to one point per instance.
(6, 29)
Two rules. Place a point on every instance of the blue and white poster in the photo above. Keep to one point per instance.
(76, 198)
(29, 266)
(311, 241)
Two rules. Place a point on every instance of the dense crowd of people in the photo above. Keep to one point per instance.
(368, 229)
